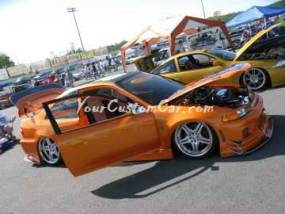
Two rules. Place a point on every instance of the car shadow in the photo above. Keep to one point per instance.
(159, 177)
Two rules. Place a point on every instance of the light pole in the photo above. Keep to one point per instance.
(73, 10)
(203, 9)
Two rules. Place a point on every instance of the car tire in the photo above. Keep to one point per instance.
(49, 152)
(195, 140)
(256, 79)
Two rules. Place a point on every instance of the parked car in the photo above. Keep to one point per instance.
(4, 100)
(262, 52)
(42, 76)
(87, 127)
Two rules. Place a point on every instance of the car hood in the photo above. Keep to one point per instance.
(31, 100)
(253, 40)
(223, 74)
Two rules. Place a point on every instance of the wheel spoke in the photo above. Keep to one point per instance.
(198, 128)
(204, 140)
(195, 147)
(185, 140)
(50, 156)
(187, 130)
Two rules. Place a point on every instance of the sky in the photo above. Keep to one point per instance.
(33, 30)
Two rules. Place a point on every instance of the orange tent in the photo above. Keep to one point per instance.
(169, 29)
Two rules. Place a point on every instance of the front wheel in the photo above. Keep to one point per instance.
(49, 151)
(255, 79)
(195, 140)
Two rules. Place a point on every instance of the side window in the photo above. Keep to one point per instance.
(203, 60)
(65, 109)
(195, 61)
(90, 107)
(169, 67)
(106, 103)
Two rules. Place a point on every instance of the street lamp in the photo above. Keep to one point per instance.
(203, 9)
(73, 10)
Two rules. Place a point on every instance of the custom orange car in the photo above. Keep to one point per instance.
(141, 116)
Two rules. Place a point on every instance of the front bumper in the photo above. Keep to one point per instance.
(248, 134)
(252, 143)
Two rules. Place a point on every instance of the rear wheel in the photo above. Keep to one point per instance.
(49, 151)
(195, 140)
(256, 79)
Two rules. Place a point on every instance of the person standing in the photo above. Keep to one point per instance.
(6, 126)
(94, 70)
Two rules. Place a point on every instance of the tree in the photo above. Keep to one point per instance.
(5, 61)
(72, 49)
(115, 47)
(217, 13)
(279, 4)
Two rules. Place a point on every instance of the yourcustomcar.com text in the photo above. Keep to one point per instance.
(116, 106)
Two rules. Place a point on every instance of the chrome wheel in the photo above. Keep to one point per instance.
(255, 79)
(49, 151)
(194, 139)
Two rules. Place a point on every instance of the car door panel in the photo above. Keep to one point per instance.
(97, 145)
(193, 75)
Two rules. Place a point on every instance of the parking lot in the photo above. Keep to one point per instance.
(247, 184)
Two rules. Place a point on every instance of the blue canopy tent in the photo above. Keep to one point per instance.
(254, 13)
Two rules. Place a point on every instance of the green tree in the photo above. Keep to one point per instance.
(5, 61)
(115, 47)
(73, 50)
(278, 4)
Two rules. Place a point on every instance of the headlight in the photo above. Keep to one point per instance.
(235, 115)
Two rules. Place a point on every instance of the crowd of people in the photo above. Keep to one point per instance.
(91, 70)
(250, 30)
(100, 68)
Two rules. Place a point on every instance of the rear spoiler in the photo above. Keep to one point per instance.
(14, 98)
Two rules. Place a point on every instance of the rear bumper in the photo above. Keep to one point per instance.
(29, 147)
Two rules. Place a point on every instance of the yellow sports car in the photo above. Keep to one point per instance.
(263, 52)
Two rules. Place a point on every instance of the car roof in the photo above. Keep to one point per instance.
(113, 79)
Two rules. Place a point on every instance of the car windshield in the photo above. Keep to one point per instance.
(150, 88)
(226, 55)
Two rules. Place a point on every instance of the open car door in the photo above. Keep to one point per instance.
(103, 138)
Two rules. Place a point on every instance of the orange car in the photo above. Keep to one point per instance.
(140, 116)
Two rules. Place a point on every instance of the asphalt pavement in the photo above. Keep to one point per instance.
(246, 184)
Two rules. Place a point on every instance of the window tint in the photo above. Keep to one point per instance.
(194, 61)
(226, 55)
(150, 88)
(166, 68)
(88, 108)
(65, 109)
(105, 103)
